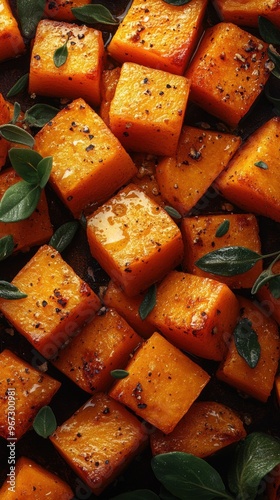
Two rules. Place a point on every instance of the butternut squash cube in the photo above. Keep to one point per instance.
(109, 80)
(256, 382)
(134, 240)
(205, 429)
(228, 72)
(247, 13)
(80, 75)
(104, 344)
(23, 391)
(61, 10)
(58, 302)
(148, 108)
(159, 35)
(33, 482)
(252, 178)
(4, 118)
(269, 303)
(199, 235)
(11, 41)
(89, 163)
(196, 314)
(162, 383)
(35, 230)
(200, 157)
(99, 441)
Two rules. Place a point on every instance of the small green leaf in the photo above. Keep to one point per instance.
(246, 342)
(148, 302)
(64, 235)
(261, 164)
(19, 202)
(60, 55)
(137, 495)
(10, 292)
(40, 114)
(7, 245)
(25, 162)
(268, 31)
(44, 423)
(94, 13)
(222, 229)
(275, 58)
(173, 212)
(30, 12)
(16, 113)
(16, 134)
(44, 170)
(177, 2)
(19, 86)
(274, 286)
(119, 373)
(228, 261)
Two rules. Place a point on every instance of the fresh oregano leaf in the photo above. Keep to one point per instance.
(172, 212)
(266, 276)
(16, 134)
(44, 423)
(19, 202)
(44, 168)
(64, 235)
(25, 162)
(10, 292)
(119, 373)
(60, 55)
(177, 2)
(254, 457)
(94, 13)
(148, 303)
(7, 245)
(274, 286)
(187, 476)
(268, 31)
(228, 261)
(222, 229)
(16, 113)
(274, 56)
(30, 12)
(137, 495)
(246, 342)
(40, 114)
(19, 86)
(261, 164)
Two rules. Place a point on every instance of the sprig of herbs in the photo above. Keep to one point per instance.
(64, 235)
(13, 133)
(30, 12)
(20, 85)
(45, 423)
(148, 303)
(36, 116)
(119, 374)
(10, 292)
(61, 54)
(94, 13)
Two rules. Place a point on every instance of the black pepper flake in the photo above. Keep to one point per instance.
(79, 434)
(69, 198)
(168, 86)
(126, 134)
(91, 136)
(89, 148)
(146, 80)
(37, 57)
(81, 36)
(106, 410)
(44, 303)
(86, 129)
(142, 406)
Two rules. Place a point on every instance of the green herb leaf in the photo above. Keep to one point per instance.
(246, 342)
(177, 2)
(16, 134)
(44, 170)
(222, 229)
(137, 495)
(262, 279)
(19, 202)
(261, 164)
(16, 113)
(94, 13)
(19, 86)
(188, 477)
(268, 31)
(274, 286)
(119, 373)
(275, 58)
(44, 423)
(148, 302)
(64, 235)
(30, 12)
(7, 245)
(60, 55)
(25, 162)
(275, 101)
(228, 261)
(173, 212)
(10, 292)
(40, 114)
(254, 457)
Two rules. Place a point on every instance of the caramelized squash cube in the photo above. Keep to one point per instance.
(247, 13)
(80, 75)
(99, 441)
(58, 302)
(4, 118)
(148, 108)
(11, 41)
(134, 240)
(89, 163)
(61, 10)
(162, 383)
(23, 391)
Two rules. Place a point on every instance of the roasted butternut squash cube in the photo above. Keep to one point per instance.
(148, 108)
(252, 178)
(33, 482)
(4, 118)
(134, 240)
(58, 302)
(104, 344)
(35, 230)
(61, 10)
(162, 383)
(11, 41)
(159, 35)
(205, 429)
(256, 382)
(228, 72)
(128, 307)
(200, 237)
(269, 303)
(109, 80)
(24, 391)
(196, 314)
(200, 157)
(89, 163)
(80, 75)
(247, 13)
(99, 441)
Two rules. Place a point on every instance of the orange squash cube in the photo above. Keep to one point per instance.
(199, 236)
(99, 441)
(33, 482)
(228, 72)
(4, 118)
(89, 163)
(162, 383)
(196, 314)
(23, 391)
(58, 302)
(11, 41)
(200, 157)
(134, 240)
(159, 35)
(247, 13)
(61, 10)
(256, 382)
(80, 75)
(255, 188)
(109, 80)
(104, 344)
(148, 108)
